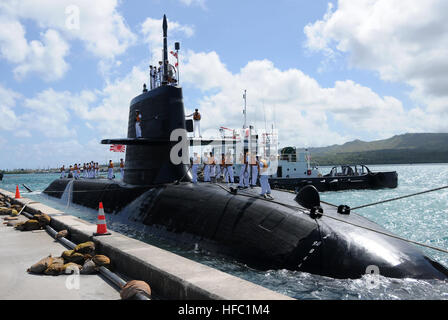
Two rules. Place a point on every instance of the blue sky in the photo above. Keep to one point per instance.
(327, 72)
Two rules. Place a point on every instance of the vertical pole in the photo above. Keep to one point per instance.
(178, 72)
(245, 110)
(165, 52)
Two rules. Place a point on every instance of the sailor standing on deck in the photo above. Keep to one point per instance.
(195, 166)
(264, 177)
(244, 174)
(75, 171)
(122, 169)
(229, 168)
(212, 163)
(97, 168)
(110, 170)
(63, 172)
(221, 166)
(138, 126)
(92, 170)
(205, 160)
(254, 170)
(196, 122)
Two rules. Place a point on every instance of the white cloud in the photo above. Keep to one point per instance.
(13, 45)
(301, 108)
(110, 115)
(7, 103)
(200, 3)
(46, 59)
(404, 41)
(102, 28)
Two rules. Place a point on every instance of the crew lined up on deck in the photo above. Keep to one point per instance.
(156, 75)
(252, 169)
(89, 170)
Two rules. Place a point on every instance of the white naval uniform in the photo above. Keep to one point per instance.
(206, 170)
(218, 170)
(244, 176)
(264, 179)
(194, 169)
(122, 173)
(63, 174)
(197, 127)
(229, 174)
(110, 173)
(151, 78)
(254, 171)
(212, 171)
(138, 130)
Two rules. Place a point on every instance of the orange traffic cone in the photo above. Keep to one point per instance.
(17, 192)
(101, 229)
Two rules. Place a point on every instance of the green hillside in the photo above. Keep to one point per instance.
(406, 148)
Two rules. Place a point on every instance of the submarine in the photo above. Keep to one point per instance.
(290, 231)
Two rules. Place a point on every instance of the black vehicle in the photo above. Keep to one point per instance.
(293, 232)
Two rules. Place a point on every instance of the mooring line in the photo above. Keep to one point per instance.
(398, 198)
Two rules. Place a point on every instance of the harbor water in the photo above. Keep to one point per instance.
(422, 218)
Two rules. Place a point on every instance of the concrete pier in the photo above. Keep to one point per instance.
(170, 276)
(20, 250)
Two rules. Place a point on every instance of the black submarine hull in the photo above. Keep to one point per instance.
(261, 233)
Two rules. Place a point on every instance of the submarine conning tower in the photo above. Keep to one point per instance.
(162, 111)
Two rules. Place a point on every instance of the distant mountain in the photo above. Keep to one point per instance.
(405, 148)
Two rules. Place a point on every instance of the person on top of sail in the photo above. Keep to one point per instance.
(171, 73)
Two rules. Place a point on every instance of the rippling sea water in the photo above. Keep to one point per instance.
(422, 218)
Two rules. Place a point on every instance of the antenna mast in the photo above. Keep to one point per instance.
(165, 51)
(245, 110)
